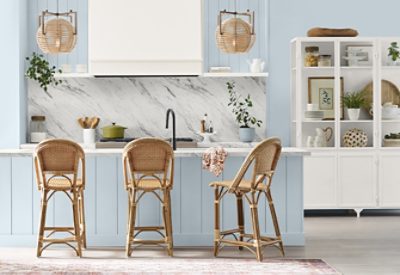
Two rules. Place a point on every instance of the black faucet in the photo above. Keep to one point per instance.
(170, 111)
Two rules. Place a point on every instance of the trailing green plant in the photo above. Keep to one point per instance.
(240, 107)
(39, 70)
(394, 52)
(354, 100)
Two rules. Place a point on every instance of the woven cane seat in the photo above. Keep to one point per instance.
(62, 184)
(148, 184)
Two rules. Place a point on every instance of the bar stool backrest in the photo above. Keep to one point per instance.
(265, 157)
(58, 158)
(149, 157)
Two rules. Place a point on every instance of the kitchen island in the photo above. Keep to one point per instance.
(106, 199)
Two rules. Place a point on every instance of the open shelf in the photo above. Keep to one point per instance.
(356, 67)
(357, 121)
(235, 75)
(317, 121)
(73, 75)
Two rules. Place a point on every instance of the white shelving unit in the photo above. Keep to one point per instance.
(338, 177)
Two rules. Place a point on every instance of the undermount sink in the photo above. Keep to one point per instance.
(184, 142)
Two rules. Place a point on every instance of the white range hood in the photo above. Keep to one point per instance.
(151, 37)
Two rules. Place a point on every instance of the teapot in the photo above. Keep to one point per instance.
(323, 136)
(256, 65)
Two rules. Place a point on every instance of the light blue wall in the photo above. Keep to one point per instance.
(291, 18)
(12, 90)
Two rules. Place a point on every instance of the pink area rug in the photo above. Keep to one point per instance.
(166, 266)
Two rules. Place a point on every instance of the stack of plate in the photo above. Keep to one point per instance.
(314, 115)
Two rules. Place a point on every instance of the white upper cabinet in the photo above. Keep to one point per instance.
(151, 37)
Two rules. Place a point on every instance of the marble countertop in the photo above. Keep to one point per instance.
(238, 149)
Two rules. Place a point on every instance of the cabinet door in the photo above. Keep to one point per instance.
(320, 181)
(389, 179)
(357, 180)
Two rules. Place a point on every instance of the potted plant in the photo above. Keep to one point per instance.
(39, 70)
(353, 101)
(240, 107)
(394, 53)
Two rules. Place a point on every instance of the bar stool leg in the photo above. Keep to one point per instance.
(82, 218)
(75, 209)
(42, 222)
(256, 231)
(239, 202)
(131, 221)
(216, 221)
(275, 221)
(167, 222)
(170, 218)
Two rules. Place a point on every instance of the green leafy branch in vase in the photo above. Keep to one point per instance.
(240, 108)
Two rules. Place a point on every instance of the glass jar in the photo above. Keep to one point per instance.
(38, 129)
(325, 60)
(311, 57)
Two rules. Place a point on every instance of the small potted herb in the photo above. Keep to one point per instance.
(353, 101)
(241, 109)
(394, 53)
(39, 70)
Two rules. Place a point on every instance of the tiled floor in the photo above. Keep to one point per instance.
(369, 245)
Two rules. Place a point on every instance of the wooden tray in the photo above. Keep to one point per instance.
(325, 32)
(390, 93)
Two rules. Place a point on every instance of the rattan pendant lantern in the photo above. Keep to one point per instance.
(57, 32)
(235, 35)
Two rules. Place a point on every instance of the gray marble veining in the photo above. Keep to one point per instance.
(140, 104)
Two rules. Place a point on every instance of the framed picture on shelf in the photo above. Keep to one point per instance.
(359, 56)
(321, 91)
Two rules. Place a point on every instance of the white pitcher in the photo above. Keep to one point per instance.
(256, 65)
(323, 137)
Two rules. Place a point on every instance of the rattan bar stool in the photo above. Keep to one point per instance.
(57, 164)
(264, 158)
(148, 166)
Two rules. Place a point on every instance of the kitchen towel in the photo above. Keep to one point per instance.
(213, 160)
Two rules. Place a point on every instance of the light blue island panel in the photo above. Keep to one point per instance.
(5, 196)
(191, 200)
(21, 195)
(294, 211)
(90, 196)
(106, 196)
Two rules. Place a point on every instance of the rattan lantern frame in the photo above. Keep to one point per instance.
(57, 32)
(234, 42)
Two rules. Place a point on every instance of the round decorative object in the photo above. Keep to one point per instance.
(355, 138)
(235, 36)
(59, 36)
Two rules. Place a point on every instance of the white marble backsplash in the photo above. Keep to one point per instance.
(140, 104)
